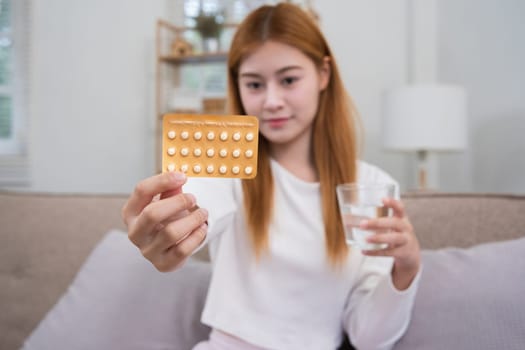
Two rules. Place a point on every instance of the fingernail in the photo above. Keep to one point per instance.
(179, 176)
(191, 198)
(363, 223)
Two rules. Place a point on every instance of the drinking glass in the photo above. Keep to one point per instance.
(362, 201)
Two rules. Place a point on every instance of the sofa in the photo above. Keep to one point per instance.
(71, 280)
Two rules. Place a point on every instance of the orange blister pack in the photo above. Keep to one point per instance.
(210, 145)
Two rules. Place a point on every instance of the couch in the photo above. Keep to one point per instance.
(69, 274)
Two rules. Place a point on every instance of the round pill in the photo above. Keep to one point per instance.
(236, 136)
(223, 169)
(248, 170)
(171, 134)
(171, 151)
(209, 169)
(224, 136)
(223, 152)
(185, 135)
(198, 135)
(235, 169)
(236, 153)
(210, 152)
(185, 151)
(171, 167)
(248, 153)
(184, 168)
(197, 152)
(211, 136)
(249, 136)
(196, 168)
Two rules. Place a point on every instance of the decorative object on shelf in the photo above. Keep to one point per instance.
(214, 105)
(425, 118)
(209, 27)
(181, 47)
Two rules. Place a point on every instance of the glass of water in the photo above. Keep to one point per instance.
(362, 201)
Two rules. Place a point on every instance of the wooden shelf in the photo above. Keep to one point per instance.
(196, 58)
(168, 67)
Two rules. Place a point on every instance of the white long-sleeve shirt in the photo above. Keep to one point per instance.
(292, 298)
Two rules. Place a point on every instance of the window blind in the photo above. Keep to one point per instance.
(14, 91)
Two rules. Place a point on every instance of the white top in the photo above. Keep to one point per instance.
(293, 299)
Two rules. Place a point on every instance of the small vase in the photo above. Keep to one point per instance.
(210, 44)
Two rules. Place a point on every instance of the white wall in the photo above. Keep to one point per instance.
(369, 41)
(92, 84)
(482, 47)
(477, 44)
(91, 95)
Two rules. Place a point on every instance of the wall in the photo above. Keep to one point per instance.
(476, 44)
(482, 47)
(369, 42)
(91, 94)
(92, 84)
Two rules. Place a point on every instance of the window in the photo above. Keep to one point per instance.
(13, 90)
(209, 80)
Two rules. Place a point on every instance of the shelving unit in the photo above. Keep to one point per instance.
(168, 65)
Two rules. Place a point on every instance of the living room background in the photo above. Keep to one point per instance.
(91, 86)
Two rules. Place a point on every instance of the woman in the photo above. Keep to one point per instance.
(283, 277)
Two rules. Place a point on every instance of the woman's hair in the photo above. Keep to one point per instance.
(334, 143)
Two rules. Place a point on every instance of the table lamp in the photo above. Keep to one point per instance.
(425, 118)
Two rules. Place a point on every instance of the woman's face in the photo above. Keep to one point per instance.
(281, 86)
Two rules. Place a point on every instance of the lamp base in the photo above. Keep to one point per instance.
(422, 175)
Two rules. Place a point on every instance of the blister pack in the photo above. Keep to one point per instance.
(210, 145)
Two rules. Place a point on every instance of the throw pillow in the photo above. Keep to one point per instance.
(470, 299)
(118, 300)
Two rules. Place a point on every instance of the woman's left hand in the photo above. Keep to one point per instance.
(402, 244)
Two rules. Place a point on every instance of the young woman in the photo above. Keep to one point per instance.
(283, 277)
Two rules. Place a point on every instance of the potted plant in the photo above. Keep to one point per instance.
(209, 27)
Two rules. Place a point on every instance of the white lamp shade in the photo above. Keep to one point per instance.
(425, 117)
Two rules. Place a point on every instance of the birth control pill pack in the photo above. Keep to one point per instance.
(210, 145)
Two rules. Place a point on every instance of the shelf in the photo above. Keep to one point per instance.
(197, 58)
(168, 72)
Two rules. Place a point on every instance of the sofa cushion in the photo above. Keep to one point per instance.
(44, 239)
(118, 300)
(479, 218)
(470, 299)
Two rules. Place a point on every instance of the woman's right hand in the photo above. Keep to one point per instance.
(163, 222)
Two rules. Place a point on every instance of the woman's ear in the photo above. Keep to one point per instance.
(324, 73)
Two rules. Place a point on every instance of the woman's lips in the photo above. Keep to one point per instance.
(276, 122)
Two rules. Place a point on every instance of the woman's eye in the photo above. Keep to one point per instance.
(253, 85)
(289, 80)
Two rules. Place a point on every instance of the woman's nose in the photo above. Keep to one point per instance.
(274, 98)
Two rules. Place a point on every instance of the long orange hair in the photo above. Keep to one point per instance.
(334, 139)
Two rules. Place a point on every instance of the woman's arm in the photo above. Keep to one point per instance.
(377, 314)
(381, 304)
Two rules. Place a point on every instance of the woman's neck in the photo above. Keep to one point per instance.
(296, 157)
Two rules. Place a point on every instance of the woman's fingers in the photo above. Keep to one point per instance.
(147, 189)
(396, 205)
(175, 232)
(178, 254)
(156, 214)
(384, 224)
(392, 240)
(395, 231)
(177, 240)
